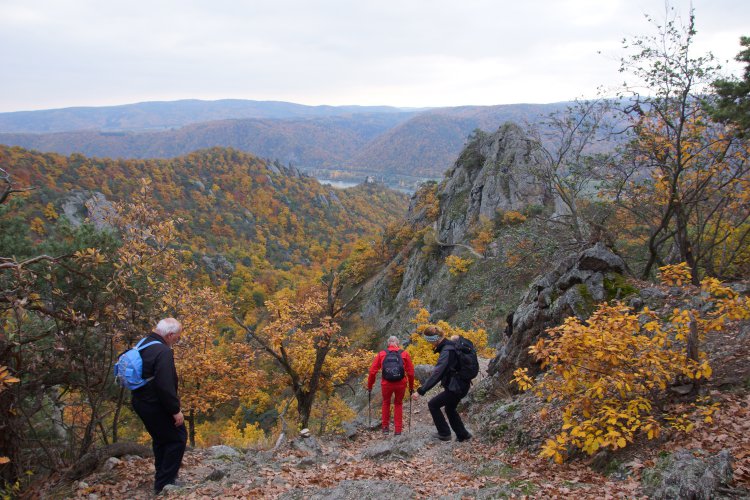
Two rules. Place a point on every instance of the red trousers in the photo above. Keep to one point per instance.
(398, 389)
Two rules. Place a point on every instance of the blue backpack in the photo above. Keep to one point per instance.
(129, 367)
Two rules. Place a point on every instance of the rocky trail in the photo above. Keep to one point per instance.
(365, 464)
(371, 465)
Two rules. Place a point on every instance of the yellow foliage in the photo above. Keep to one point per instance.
(233, 435)
(484, 235)
(512, 217)
(610, 371)
(361, 261)
(37, 225)
(49, 211)
(6, 378)
(228, 432)
(331, 413)
(457, 265)
(675, 275)
(522, 379)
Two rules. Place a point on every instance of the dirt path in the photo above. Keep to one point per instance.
(413, 465)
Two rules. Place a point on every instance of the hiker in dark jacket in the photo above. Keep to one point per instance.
(158, 405)
(454, 389)
(395, 388)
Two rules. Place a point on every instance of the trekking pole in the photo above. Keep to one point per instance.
(369, 409)
(410, 398)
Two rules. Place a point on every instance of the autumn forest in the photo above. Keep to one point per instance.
(287, 288)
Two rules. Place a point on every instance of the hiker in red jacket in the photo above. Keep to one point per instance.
(396, 367)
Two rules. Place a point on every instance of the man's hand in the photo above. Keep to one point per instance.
(179, 419)
(415, 396)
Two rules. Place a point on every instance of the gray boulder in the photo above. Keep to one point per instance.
(308, 446)
(81, 206)
(222, 451)
(404, 446)
(686, 475)
(423, 372)
(572, 289)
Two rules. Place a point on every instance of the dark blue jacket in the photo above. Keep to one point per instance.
(444, 371)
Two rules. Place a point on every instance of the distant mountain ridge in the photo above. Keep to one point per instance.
(312, 143)
(380, 140)
(159, 115)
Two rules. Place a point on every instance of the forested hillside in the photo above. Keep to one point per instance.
(321, 142)
(231, 204)
(94, 250)
(601, 272)
(421, 144)
(429, 143)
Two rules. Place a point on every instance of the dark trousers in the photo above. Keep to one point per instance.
(450, 400)
(168, 442)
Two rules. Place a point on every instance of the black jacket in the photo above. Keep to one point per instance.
(158, 362)
(444, 371)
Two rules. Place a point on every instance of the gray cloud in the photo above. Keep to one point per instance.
(404, 53)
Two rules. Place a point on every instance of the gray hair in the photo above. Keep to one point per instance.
(167, 326)
(393, 340)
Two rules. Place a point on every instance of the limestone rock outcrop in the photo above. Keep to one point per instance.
(493, 173)
(571, 289)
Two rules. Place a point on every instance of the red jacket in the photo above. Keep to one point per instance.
(377, 364)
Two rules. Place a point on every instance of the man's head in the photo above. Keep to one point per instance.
(393, 341)
(170, 330)
(433, 334)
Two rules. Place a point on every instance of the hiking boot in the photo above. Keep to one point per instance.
(465, 438)
(441, 437)
(396, 433)
(386, 431)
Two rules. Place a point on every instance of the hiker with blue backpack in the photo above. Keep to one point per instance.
(456, 366)
(396, 370)
(148, 370)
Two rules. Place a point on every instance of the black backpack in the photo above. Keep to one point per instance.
(393, 366)
(468, 365)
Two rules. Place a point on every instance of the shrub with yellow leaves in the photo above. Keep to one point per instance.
(457, 265)
(675, 275)
(512, 217)
(611, 372)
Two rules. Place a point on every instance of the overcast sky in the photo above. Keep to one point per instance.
(60, 53)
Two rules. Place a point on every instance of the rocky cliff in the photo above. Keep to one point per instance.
(493, 172)
(572, 288)
(492, 175)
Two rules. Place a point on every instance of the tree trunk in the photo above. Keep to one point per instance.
(9, 437)
(684, 245)
(324, 418)
(90, 432)
(93, 459)
(304, 407)
(692, 340)
(191, 427)
(116, 418)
